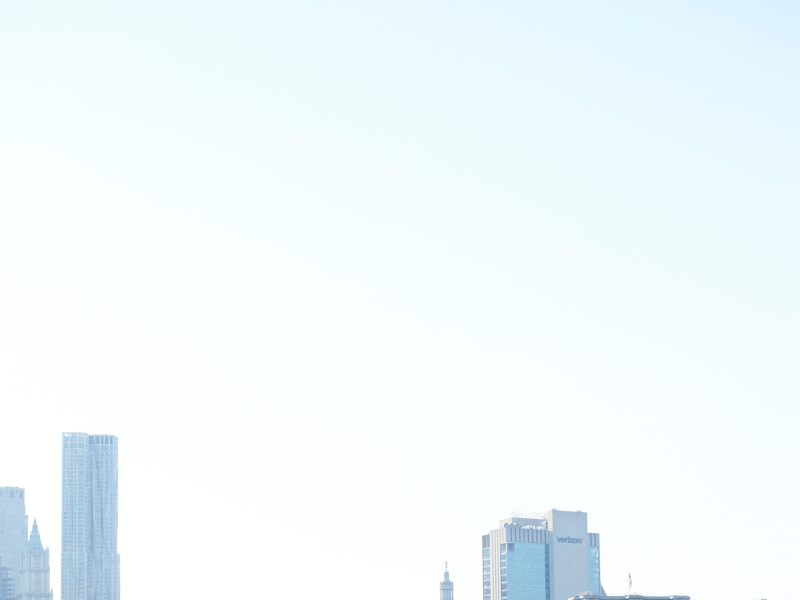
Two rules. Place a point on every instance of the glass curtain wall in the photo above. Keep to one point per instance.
(525, 571)
(594, 570)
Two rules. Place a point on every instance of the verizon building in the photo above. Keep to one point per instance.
(549, 558)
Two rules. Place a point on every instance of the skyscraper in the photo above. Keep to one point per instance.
(13, 531)
(35, 571)
(552, 557)
(89, 559)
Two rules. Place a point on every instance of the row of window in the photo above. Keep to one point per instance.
(91, 440)
(594, 570)
(487, 567)
(503, 571)
(528, 567)
(525, 571)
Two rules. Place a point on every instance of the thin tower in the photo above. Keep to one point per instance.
(446, 587)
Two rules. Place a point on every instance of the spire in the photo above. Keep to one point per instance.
(35, 543)
(446, 587)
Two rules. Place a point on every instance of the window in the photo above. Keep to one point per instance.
(594, 570)
(528, 572)
(487, 583)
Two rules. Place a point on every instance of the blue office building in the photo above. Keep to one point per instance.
(549, 557)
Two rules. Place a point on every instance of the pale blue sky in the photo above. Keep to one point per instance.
(394, 270)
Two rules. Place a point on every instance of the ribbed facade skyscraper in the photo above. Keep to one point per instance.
(90, 483)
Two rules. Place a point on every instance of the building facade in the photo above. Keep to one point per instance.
(90, 483)
(446, 586)
(552, 557)
(633, 597)
(7, 589)
(13, 531)
(35, 569)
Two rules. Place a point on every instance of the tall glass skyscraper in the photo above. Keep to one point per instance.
(90, 483)
(550, 557)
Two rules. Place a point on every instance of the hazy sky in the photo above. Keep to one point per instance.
(351, 281)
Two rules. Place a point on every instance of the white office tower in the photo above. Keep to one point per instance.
(35, 572)
(13, 533)
(446, 586)
(89, 559)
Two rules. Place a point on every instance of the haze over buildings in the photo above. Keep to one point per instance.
(341, 233)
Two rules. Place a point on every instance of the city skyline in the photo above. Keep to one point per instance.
(89, 506)
(24, 560)
(331, 270)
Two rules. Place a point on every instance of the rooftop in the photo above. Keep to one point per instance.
(587, 595)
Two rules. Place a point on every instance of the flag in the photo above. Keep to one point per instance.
(630, 581)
